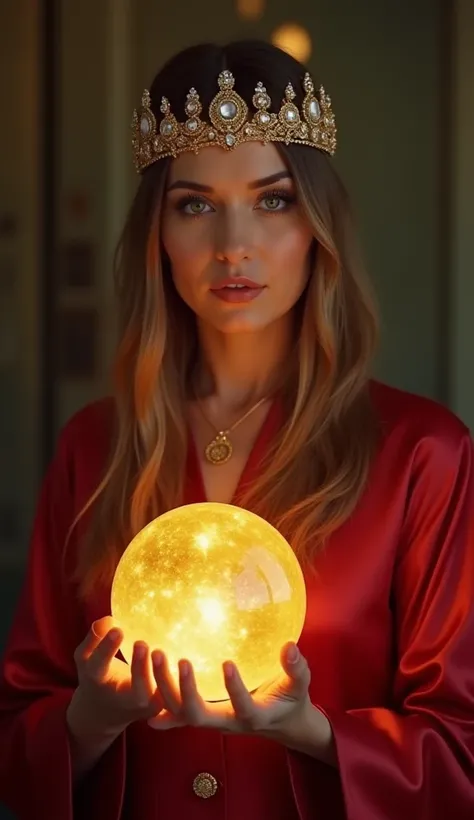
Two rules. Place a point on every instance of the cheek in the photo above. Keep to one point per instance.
(187, 251)
(289, 252)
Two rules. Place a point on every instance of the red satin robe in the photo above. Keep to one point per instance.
(389, 637)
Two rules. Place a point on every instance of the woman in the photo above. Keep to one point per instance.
(247, 332)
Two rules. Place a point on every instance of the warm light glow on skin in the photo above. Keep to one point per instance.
(209, 583)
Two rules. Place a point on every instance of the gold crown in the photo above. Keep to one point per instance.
(230, 123)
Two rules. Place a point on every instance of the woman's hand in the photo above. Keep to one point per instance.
(110, 694)
(279, 710)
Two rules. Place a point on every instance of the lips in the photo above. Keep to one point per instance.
(237, 289)
(237, 283)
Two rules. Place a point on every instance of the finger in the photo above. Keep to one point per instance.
(245, 708)
(85, 648)
(297, 673)
(165, 720)
(93, 638)
(194, 711)
(193, 708)
(142, 686)
(102, 626)
(167, 688)
(98, 663)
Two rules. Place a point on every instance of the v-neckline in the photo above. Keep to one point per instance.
(195, 490)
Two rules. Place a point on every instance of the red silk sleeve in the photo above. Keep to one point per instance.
(38, 677)
(415, 761)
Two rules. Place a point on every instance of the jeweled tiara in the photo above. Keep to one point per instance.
(231, 124)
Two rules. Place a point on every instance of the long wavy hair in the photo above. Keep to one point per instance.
(319, 462)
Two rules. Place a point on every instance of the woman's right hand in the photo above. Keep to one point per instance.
(111, 694)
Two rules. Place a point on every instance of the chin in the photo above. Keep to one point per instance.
(238, 324)
(235, 319)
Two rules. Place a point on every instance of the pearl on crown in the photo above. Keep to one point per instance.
(228, 110)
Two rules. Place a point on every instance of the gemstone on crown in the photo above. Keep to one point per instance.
(314, 110)
(228, 110)
(144, 125)
(226, 80)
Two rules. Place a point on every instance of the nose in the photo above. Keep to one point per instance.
(233, 239)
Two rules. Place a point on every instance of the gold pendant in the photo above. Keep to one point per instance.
(219, 450)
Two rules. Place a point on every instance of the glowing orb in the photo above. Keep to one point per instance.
(211, 582)
(294, 39)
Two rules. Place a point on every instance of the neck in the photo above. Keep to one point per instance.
(240, 369)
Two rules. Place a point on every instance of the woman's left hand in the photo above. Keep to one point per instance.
(278, 710)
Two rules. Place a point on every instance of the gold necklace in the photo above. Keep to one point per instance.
(220, 449)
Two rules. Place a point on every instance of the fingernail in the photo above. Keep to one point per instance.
(293, 654)
(184, 668)
(140, 650)
(157, 658)
(114, 635)
(94, 631)
(228, 669)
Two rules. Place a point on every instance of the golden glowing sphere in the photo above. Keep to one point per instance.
(250, 9)
(294, 39)
(211, 582)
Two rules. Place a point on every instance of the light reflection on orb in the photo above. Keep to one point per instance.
(211, 582)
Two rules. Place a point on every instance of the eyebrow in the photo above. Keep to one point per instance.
(206, 189)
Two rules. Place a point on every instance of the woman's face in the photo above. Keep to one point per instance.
(238, 242)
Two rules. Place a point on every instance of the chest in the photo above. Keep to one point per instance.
(221, 480)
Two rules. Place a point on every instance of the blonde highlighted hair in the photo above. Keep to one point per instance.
(319, 462)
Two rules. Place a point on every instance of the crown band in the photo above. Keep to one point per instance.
(231, 124)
